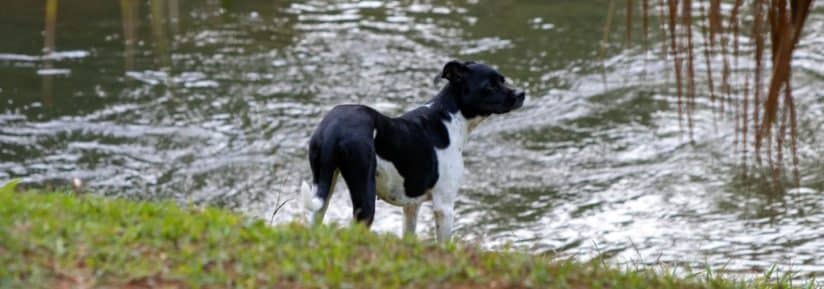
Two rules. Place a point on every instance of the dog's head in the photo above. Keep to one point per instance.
(480, 90)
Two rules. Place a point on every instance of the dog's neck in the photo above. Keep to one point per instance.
(446, 105)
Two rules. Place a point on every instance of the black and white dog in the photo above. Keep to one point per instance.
(410, 159)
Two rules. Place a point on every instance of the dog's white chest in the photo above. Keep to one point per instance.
(450, 158)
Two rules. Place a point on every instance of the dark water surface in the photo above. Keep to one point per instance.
(213, 101)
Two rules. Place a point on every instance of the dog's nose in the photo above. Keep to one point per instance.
(519, 100)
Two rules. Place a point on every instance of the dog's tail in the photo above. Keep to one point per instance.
(311, 201)
(323, 162)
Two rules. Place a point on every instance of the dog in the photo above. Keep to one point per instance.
(409, 159)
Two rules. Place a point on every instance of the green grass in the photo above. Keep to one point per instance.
(59, 240)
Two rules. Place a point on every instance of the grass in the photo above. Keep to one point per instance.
(60, 240)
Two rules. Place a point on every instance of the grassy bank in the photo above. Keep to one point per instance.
(57, 240)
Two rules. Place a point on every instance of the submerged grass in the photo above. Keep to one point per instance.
(59, 240)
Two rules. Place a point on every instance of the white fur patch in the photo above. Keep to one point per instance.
(389, 185)
(310, 201)
(450, 158)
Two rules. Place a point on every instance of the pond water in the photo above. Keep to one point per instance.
(212, 102)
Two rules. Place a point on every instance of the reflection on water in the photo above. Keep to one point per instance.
(213, 101)
(48, 47)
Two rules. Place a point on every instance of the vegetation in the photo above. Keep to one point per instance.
(59, 240)
(768, 116)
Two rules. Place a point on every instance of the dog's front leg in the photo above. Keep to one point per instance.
(443, 204)
(410, 220)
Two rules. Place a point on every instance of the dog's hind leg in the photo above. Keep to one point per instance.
(358, 170)
(410, 219)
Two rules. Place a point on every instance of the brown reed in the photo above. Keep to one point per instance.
(771, 118)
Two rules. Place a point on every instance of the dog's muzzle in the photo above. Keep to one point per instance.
(519, 100)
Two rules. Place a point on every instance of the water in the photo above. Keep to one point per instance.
(212, 102)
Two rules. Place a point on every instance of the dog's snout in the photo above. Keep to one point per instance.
(519, 97)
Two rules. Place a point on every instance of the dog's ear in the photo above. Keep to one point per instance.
(454, 71)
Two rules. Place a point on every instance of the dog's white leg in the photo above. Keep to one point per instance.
(443, 204)
(443, 223)
(410, 220)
